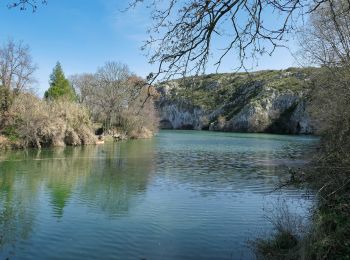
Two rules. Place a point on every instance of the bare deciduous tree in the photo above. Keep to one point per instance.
(16, 66)
(83, 85)
(109, 92)
(16, 71)
(118, 99)
(325, 40)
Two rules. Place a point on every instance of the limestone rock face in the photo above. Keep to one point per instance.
(270, 111)
(249, 108)
(180, 116)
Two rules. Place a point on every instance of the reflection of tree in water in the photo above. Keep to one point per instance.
(22, 173)
(105, 177)
(60, 196)
(63, 170)
(122, 175)
(17, 194)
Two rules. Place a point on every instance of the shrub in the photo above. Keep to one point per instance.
(285, 243)
(40, 123)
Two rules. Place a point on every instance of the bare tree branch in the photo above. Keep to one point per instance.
(24, 4)
(183, 32)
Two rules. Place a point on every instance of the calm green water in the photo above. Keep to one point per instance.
(181, 195)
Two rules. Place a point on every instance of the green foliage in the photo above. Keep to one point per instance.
(11, 133)
(5, 99)
(59, 86)
(212, 90)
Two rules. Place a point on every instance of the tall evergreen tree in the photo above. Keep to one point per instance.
(59, 85)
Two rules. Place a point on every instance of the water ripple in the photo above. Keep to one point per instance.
(182, 195)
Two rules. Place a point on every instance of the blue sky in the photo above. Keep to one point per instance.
(84, 34)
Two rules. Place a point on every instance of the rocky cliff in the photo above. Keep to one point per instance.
(264, 101)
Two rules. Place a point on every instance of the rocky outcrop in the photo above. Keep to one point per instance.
(179, 113)
(251, 106)
(181, 116)
(270, 111)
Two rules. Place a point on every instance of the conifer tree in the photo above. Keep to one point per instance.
(59, 85)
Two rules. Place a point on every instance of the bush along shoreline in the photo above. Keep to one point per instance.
(32, 122)
(35, 123)
(38, 123)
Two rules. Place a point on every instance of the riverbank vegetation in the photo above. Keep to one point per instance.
(326, 42)
(118, 100)
(113, 99)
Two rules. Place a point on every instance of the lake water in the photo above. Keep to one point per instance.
(181, 195)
